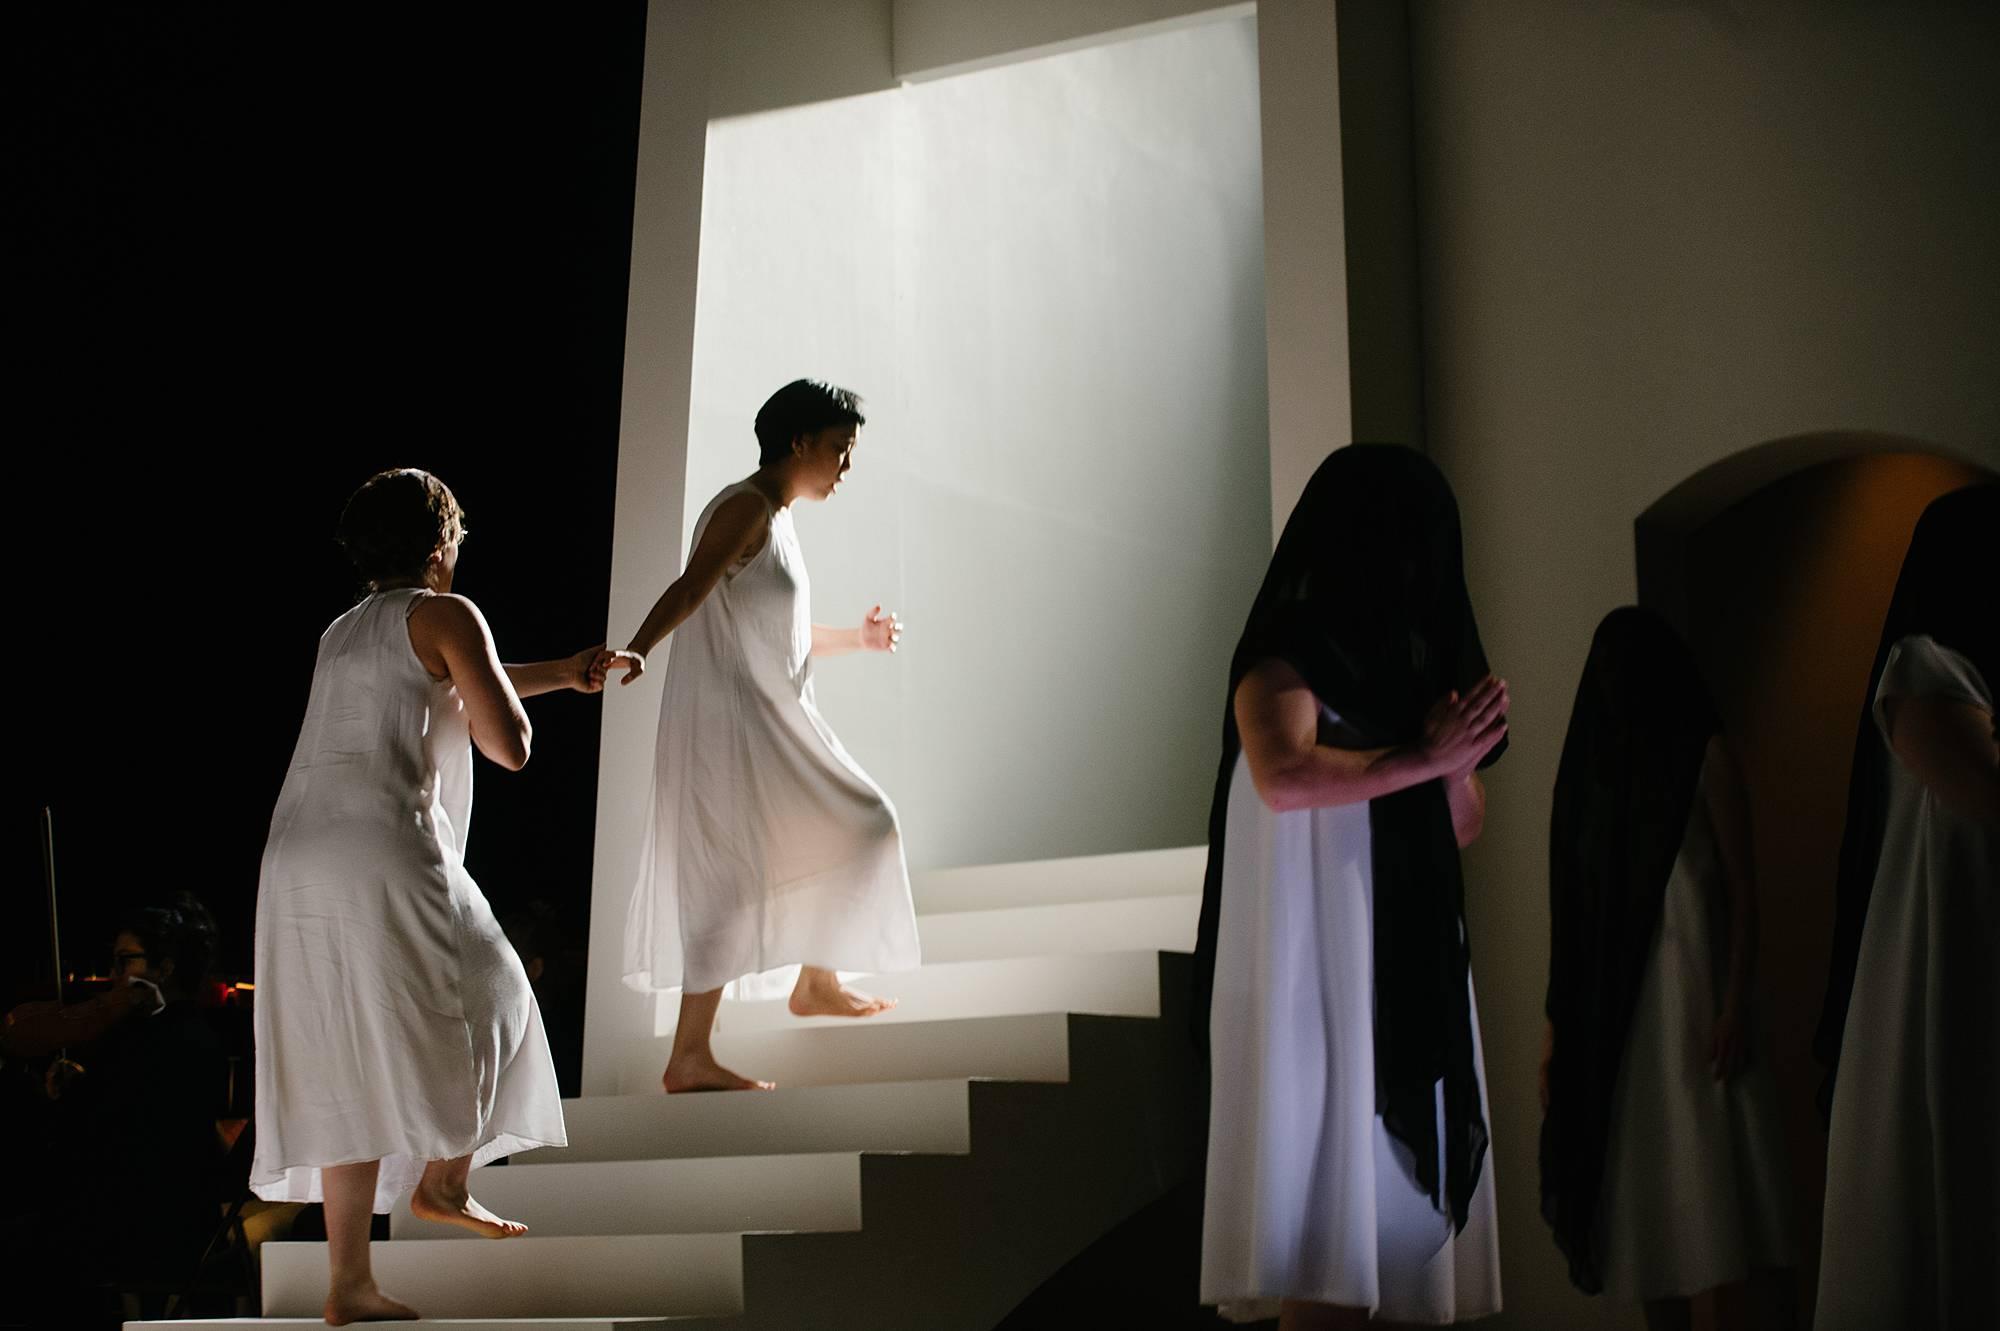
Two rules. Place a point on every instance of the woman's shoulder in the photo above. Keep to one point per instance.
(444, 609)
(1921, 666)
(1273, 674)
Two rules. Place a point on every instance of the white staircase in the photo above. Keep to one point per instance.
(926, 1168)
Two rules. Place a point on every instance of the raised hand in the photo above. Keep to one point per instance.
(881, 631)
(1461, 730)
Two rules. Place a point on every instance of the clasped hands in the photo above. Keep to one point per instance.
(1459, 731)
(590, 669)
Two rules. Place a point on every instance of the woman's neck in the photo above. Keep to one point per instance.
(775, 484)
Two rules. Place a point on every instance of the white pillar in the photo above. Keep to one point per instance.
(652, 475)
(1305, 256)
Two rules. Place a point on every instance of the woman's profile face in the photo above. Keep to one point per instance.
(825, 457)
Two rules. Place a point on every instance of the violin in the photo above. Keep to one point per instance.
(46, 1026)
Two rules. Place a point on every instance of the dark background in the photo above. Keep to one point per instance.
(267, 251)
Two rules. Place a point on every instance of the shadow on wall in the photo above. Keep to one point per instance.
(1777, 565)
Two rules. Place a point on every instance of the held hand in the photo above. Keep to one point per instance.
(627, 660)
(1461, 730)
(1731, 1047)
(584, 671)
(881, 631)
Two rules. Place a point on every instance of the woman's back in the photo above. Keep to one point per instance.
(757, 624)
(382, 757)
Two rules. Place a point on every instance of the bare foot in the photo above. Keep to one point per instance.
(447, 1208)
(831, 998)
(700, 1072)
(367, 1304)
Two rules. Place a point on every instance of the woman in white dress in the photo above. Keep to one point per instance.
(1347, 1170)
(398, 1042)
(1912, 1017)
(1662, 1153)
(768, 847)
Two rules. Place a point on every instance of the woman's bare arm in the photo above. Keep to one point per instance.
(1949, 745)
(739, 527)
(1466, 794)
(1278, 719)
(449, 631)
(584, 671)
(880, 631)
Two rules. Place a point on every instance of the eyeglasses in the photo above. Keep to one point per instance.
(120, 960)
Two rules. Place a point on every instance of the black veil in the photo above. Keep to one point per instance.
(1365, 597)
(1631, 764)
(1946, 590)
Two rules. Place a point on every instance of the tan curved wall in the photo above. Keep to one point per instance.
(1650, 236)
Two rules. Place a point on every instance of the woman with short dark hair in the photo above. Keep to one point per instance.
(769, 851)
(398, 1042)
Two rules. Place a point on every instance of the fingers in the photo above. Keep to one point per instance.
(1488, 700)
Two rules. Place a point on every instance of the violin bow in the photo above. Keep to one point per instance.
(55, 931)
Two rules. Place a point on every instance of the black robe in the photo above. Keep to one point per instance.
(1365, 597)
(1946, 590)
(1631, 764)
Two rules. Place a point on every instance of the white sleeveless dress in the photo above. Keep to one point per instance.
(393, 1020)
(1911, 1165)
(1308, 1195)
(1696, 1191)
(767, 846)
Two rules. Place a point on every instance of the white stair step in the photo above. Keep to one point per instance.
(928, 1116)
(718, 1195)
(1153, 924)
(460, 1323)
(1110, 984)
(1143, 873)
(1032, 1046)
(622, 1275)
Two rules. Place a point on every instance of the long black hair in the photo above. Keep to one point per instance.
(1365, 597)
(1631, 765)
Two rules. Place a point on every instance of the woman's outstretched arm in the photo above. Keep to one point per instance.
(739, 527)
(1278, 719)
(450, 637)
(881, 631)
(584, 671)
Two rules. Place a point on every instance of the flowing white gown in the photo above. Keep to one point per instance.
(1911, 1166)
(393, 1019)
(1308, 1196)
(1695, 1184)
(767, 846)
